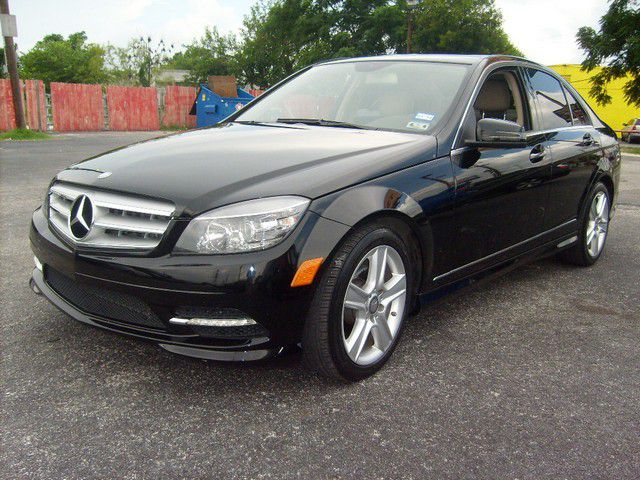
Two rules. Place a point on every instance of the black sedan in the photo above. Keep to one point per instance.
(326, 211)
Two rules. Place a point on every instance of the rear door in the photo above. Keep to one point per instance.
(574, 145)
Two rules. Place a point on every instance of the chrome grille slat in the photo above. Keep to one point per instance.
(130, 224)
(59, 205)
(119, 221)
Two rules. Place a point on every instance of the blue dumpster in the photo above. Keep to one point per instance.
(210, 108)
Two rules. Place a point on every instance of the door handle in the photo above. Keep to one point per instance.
(537, 153)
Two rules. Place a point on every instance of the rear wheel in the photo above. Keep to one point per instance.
(362, 300)
(593, 229)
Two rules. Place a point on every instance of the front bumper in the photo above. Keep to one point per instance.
(256, 284)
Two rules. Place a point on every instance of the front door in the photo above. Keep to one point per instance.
(501, 192)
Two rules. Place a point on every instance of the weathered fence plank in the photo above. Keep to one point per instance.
(36, 105)
(7, 115)
(177, 103)
(133, 108)
(77, 107)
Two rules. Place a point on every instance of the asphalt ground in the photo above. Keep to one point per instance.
(534, 375)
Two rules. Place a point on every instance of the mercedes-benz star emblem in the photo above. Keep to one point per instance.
(81, 217)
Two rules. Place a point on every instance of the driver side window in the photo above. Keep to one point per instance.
(499, 97)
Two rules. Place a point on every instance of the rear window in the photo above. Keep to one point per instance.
(580, 117)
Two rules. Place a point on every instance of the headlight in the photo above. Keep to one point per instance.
(243, 227)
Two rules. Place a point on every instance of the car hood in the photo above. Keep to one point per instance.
(207, 168)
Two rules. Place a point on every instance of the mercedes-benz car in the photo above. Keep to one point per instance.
(323, 214)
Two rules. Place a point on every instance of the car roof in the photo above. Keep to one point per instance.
(436, 58)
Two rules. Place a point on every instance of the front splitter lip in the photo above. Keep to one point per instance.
(229, 354)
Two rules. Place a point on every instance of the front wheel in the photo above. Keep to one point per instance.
(358, 312)
(593, 229)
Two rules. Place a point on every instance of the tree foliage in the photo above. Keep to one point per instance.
(617, 46)
(460, 26)
(136, 63)
(56, 59)
(212, 54)
(282, 36)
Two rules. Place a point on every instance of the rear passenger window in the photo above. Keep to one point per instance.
(579, 115)
(552, 103)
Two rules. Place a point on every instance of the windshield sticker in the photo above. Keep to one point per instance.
(425, 116)
(418, 125)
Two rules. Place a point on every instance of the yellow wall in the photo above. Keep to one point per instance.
(613, 114)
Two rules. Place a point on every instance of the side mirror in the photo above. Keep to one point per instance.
(494, 130)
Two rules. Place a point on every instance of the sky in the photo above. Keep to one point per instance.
(544, 30)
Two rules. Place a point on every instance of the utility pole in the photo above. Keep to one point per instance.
(12, 62)
(411, 5)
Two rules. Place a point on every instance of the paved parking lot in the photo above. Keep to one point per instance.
(535, 375)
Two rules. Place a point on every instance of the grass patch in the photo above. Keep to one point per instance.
(174, 128)
(24, 134)
(635, 150)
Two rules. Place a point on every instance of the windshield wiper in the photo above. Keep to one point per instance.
(323, 123)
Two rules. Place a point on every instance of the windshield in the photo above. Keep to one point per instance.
(386, 95)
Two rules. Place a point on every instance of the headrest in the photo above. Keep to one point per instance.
(494, 96)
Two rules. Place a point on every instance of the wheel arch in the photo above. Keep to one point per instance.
(376, 203)
(607, 180)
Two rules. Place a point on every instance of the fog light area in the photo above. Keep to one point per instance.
(213, 322)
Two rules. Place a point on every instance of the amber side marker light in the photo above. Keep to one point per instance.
(306, 272)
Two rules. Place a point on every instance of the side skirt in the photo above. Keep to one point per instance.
(439, 293)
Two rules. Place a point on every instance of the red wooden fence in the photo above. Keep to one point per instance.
(177, 103)
(36, 105)
(77, 107)
(133, 108)
(7, 116)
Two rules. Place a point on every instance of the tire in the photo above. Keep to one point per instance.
(625, 138)
(592, 229)
(335, 323)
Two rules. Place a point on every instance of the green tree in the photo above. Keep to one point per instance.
(212, 54)
(56, 59)
(281, 36)
(617, 46)
(136, 63)
(460, 26)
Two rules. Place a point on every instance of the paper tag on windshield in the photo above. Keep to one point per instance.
(418, 125)
(424, 116)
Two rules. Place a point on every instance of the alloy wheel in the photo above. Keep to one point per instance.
(374, 305)
(598, 224)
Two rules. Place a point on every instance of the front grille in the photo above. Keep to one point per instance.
(117, 221)
(103, 303)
